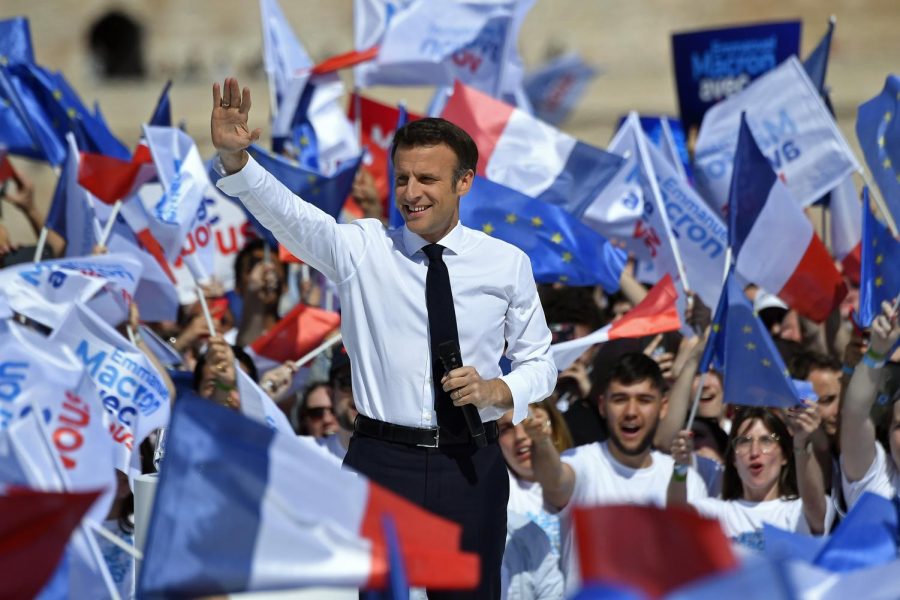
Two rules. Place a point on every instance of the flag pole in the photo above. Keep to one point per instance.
(107, 229)
(42, 241)
(657, 197)
(695, 403)
(318, 350)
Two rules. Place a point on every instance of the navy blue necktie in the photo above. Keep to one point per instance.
(441, 328)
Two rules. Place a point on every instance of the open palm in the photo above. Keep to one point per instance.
(228, 124)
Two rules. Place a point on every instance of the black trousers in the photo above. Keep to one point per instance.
(462, 483)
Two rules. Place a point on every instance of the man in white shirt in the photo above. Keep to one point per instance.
(388, 320)
(622, 470)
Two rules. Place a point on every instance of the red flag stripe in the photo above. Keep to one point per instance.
(815, 288)
(297, 333)
(345, 60)
(429, 544)
(107, 178)
(479, 115)
(656, 313)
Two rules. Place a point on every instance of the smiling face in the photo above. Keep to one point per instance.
(516, 445)
(426, 194)
(711, 396)
(827, 386)
(632, 412)
(759, 459)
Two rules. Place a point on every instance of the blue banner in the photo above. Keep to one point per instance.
(713, 64)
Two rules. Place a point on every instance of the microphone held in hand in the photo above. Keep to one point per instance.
(451, 358)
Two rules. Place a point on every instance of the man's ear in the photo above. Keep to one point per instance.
(663, 407)
(465, 183)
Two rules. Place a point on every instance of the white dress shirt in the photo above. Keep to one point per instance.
(380, 276)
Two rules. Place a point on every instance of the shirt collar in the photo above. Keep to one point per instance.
(454, 241)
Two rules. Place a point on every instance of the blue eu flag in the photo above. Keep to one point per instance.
(880, 270)
(561, 248)
(754, 372)
(878, 131)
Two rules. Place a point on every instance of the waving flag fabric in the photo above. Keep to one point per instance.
(520, 152)
(427, 43)
(816, 64)
(327, 192)
(36, 527)
(656, 313)
(773, 242)
(224, 468)
(184, 181)
(556, 87)
(71, 212)
(878, 132)
(880, 272)
(561, 248)
(846, 227)
(25, 129)
(793, 127)
(15, 41)
(129, 385)
(53, 384)
(52, 95)
(162, 113)
(754, 372)
(395, 218)
(296, 333)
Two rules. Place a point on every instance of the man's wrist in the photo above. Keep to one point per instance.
(230, 163)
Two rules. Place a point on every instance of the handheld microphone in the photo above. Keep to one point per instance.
(451, 358)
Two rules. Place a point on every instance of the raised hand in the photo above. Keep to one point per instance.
(228, 124)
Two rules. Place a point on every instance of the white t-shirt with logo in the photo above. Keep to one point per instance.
(600, 479)
(882, 478)
(742, 520)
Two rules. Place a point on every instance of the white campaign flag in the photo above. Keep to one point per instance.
(184, 180)
(132, 391)
(437, 43)
(257, 405)
(52, 384)
(792, 127)
(44, 290)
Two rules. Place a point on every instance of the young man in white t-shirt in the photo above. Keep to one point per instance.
(624, 469)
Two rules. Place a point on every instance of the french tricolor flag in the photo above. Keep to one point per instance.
(241, 507)
(772, 240)
(656, 313)
(528, 155)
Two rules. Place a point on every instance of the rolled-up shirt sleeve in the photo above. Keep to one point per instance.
(533, 374)
(305, 230)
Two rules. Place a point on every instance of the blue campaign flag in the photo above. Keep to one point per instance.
(555, 88)
(561, 248)
(867, 536)
(395, 219)
(713, 64)
(326, 192)
(754, 372)
(880, 268)
(162, 114)
(816, 64)
(71, 213)
(878, 132)
(24, 128)
(15, 41)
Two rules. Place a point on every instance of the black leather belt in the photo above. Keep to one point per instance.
(414, 436)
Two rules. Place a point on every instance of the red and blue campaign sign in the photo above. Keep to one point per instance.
(713, 64)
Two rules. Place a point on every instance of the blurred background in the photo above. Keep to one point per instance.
(121, 53)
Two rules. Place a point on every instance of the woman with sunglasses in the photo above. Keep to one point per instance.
(770, 475)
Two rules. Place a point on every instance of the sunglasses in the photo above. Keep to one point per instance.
(317, 412)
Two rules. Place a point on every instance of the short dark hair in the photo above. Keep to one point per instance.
(732, 486)
(433, 131)
(804, 363)
(634, 367)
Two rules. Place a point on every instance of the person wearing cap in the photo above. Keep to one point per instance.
(429, 309)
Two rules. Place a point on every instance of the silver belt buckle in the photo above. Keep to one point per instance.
(437, 439)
